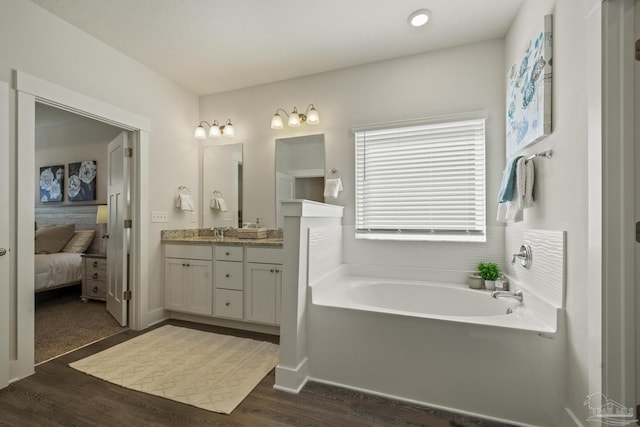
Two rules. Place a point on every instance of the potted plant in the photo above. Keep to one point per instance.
(489, 271)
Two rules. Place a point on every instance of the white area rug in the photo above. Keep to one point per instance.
(210, 371)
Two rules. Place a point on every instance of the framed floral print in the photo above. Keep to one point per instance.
(82, 181)
(51, 183)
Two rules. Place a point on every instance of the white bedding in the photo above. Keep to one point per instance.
(54, 270)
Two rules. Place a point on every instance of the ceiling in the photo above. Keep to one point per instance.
(211, 46)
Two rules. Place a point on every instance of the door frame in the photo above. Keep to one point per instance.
(616, 185)
(30, 90)
(5, 237)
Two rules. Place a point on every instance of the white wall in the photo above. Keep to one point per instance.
(71, 141)
(561, 182)
(463, 79)
(36, 42)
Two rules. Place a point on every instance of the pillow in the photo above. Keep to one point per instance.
(50, 240)
(79, 242)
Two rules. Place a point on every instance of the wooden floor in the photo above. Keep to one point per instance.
(57, 395)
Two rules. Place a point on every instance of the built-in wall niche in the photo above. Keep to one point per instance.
(222, 186)
(299, 170)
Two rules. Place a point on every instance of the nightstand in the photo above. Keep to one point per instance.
(94, 277)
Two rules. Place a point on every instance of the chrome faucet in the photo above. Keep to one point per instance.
(506, 294)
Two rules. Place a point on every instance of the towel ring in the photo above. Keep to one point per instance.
(183, 190)
(335, 172)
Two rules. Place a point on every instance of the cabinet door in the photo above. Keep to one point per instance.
(174, 295)
(262, 293)
(188, 286)
(199, 287)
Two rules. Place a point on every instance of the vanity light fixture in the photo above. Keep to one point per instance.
(215, 130)
(310, 116)
(419, 17)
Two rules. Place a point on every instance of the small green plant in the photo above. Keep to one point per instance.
(488, 270)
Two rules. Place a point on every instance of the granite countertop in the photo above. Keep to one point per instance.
(273, 239)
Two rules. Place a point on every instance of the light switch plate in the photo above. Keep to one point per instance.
(159, 216)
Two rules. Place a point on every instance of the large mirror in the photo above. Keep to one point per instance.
(299, 170)
(222, 186)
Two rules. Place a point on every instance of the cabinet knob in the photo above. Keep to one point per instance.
(95, 275)
(277, 271)
(227, 275)
(227, 303)
(227, 253)
(95, 290)
(95, 263)
(271, 271)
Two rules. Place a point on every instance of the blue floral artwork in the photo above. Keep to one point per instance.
(51, 183)
(529, 92)
(82, 181)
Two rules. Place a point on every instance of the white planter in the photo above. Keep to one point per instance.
(490, 285)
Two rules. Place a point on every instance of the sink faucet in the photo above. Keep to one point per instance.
(506, 294)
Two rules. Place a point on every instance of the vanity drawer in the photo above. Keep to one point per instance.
(187, 251)
(229, 304)
(265, 255)
(229, 253)
(229, 275)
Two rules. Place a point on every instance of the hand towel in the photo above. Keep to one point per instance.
(508, 181)
(186, 202)
(332, 187)
(222, 206)
(522, 197)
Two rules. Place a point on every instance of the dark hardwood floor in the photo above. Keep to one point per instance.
(57, 395)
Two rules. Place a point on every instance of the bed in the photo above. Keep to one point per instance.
(63, 234)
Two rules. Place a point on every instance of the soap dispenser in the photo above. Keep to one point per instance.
(502, 283)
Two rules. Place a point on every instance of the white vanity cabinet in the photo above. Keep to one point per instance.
(188, 278)
(229, 282)
(263, 284)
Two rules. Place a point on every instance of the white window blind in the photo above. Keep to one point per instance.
(421, 181)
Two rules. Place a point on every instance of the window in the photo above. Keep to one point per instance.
(421, 180)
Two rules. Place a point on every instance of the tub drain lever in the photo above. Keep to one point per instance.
(524, 255)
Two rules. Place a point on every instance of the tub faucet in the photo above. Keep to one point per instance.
(506, 294)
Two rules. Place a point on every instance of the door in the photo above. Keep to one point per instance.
(5, 208)
(119, 159)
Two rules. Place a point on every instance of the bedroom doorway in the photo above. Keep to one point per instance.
(29, 90)
(72, 285)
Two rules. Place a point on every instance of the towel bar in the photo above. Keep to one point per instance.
(546, 154)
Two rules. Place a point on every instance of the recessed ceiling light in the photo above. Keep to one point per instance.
(419, 17)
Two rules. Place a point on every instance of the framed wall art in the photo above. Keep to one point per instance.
(82, 181)
(529, 91)
(51, 183)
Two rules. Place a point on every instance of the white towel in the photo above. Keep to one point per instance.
(332, 187)
(523, 193)
(185, 202)
(217, 203)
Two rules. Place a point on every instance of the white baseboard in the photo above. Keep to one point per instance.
(570, 419)
(417, 402)
(292, 380)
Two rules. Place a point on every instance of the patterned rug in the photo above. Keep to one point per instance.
(210, 371)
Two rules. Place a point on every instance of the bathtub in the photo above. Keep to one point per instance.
(426, 299)
(435, 343)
